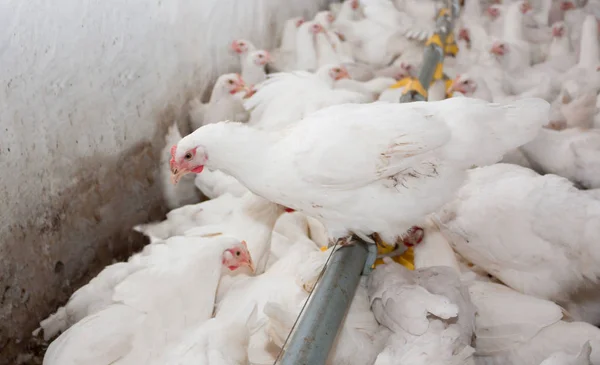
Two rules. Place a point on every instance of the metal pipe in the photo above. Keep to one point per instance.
(316, 332)
(433, 53)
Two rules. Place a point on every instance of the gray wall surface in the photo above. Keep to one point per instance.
(87, 90)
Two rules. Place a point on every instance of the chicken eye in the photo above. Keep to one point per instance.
(465, 82)
(237, 253)
(230, 82)
(188, 156)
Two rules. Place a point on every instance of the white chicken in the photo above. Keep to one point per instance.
(534, 244)
(571, 153)
(403, 301)
(222, 104)
(491, 264)
(152, 305)
(512, 328)
(407, 154)
(287, 97)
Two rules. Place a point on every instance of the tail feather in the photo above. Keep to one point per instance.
(482, 133)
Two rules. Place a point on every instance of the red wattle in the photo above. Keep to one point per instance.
(198, 169)
(289, 210)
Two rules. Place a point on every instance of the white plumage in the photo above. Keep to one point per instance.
(502, 264)
(392, 150)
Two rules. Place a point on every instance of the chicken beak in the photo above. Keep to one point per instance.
(177, 173)
(455, 86)
(452, 88)
(249, 92)
(250, 262)
(267, 58)
(239, 87)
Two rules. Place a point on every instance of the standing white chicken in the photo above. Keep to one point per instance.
(242, 47)
(585, 73)
(253, 67)
(284, 57)
(401, 154)
(307, 57)
(223, 105)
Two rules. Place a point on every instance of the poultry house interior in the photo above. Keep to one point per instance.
(191, 173)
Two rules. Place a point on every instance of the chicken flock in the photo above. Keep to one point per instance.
(489, 194)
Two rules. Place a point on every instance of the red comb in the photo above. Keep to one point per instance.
(289, 210)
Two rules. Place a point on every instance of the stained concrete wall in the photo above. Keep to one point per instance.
(87, 89)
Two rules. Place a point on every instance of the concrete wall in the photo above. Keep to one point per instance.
(87, 89)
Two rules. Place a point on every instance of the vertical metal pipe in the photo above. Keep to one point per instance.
(316, 332)
(433, 53)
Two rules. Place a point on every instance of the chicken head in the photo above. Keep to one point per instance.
(261, 58)
(239, 46)
(493, 11)
(237, 256)
(463, 84)
(338, 73)
(525, 7)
